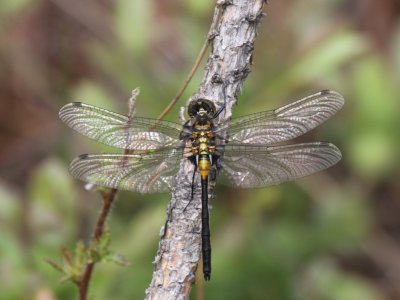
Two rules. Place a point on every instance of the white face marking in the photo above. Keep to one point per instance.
(202, 111)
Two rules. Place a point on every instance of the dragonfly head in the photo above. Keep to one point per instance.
(202, 108)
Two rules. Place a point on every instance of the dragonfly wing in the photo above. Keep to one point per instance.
(150, 173)
(120, 131)
(249, 166)
(287, 122)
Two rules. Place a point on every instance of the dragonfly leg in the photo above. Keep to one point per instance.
(192, 192)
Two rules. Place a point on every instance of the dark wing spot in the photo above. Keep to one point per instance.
(83, 156)
(325, 92)
(77, 104)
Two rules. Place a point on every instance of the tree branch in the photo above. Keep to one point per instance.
(227, 67)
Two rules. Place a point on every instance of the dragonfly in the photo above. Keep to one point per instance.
(249, 151)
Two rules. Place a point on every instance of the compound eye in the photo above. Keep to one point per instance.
(207, 107)
(193, 108)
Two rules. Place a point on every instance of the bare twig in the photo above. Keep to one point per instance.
(227, 67)
(107, 202)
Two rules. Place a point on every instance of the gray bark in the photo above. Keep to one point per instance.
(227, 67)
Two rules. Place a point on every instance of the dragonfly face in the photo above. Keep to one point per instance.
(201, 107)
(254, 156)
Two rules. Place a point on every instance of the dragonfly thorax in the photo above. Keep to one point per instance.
(202, 143)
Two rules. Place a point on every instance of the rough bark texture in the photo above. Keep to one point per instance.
(227, 67)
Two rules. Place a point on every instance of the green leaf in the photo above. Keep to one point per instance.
(55, 265)
(80, 255)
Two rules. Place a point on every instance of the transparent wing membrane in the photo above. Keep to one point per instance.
(120, 131)
(149, 173)
(259, 166)
(287, 122)
(248, 159)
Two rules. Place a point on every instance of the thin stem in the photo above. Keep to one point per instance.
(99, 229)
(199, 58)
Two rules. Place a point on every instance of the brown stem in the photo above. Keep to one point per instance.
(99, 229)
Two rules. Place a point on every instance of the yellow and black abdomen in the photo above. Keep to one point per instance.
(205, 149)
(204, 165)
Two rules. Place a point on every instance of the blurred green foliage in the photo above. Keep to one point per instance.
(285, 242)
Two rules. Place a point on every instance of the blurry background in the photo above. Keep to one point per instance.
(334, 235)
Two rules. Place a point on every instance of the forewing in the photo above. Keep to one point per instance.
(120, 131)
(287, 122)
(150, 173)
(259, 166)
